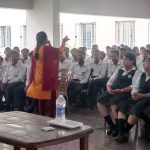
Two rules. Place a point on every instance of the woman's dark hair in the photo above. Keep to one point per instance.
(41, 38)
(131, 57)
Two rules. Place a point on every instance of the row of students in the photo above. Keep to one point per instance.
(98, 70)
(122, 101)
(12, 74)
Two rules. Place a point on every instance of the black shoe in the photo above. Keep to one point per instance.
(109, 131)
(29, 109)
(114, 133)
(122, 138)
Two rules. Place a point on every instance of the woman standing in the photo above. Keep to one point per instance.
(43, 80)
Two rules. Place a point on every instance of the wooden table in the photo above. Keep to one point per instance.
(22, 129)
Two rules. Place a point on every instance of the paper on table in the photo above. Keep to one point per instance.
(67, 123)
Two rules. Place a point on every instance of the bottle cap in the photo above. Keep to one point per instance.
(61, 93)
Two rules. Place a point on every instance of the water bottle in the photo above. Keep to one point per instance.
(60, 107)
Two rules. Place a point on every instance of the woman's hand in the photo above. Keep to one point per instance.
(137, 96)
(65, 39)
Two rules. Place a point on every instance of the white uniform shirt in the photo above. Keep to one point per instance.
(114, 76)
(15, 73)
(99, 70)
(69, 58)
(139, 63)
(27, 62)
(6, 63)
(112, 67)
(81, 73)
(66, 64)
(136, 84)
(2, 69)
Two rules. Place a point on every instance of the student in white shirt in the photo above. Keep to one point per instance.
(98, 80)
(74, 56)
(102, 56)
(122, 52)
(7, 59)
(114, 64)
(130, 111)
(25, 57)
(118, 90)
(20, 93)
(16, 49)
(14, 76)
(64, 63)
(80, 75)
(66, 53)
(1, 77)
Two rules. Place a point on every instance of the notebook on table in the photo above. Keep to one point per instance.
(67, 123)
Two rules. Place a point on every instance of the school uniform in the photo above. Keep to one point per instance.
(66, 64)
(137, 107)
(98, 81)
(113, 67)
(14, 76)
(80, 74)
(2, 69)
(120, 79)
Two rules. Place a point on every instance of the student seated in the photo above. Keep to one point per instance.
(80, 75)
(2, 69)
(118, 90)
(135, 106)
(98, 76)
(25, 57)
(14, 76)
(7, 59)
(114, 63)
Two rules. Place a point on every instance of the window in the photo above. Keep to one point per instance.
(5, 36)
(87, 34)
(23, 29)
(61, 32)
(125, 33)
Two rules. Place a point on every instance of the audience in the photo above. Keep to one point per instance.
(14, 76)
(135, 105)
(116, 79)
(118, 89)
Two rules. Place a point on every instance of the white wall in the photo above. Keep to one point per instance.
(43, 17)
(39, 19)
(105, 29)
(7, 18)
(123, 8)
(141, 32)
(21, 4)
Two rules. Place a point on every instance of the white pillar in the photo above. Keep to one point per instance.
(56, 23)
(43, 17)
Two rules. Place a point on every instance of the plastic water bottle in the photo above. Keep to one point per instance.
(60, 107)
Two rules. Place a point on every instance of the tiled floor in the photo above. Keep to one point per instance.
(98, 140)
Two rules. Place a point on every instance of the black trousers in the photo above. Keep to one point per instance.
(1, 100)
(10, 94)
(74, 92)
(20, 97)
(96, 87)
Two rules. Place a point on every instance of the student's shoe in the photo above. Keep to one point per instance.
(114, 133)
(109, 131)
(122, 138)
